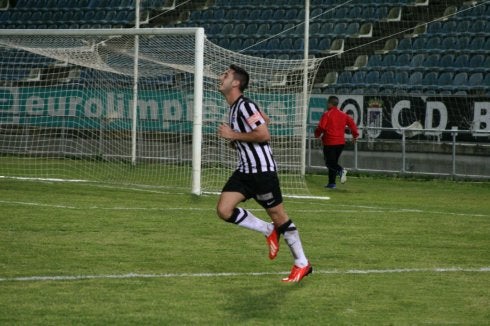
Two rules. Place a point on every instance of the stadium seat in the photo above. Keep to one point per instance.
(404, 45)
(358, 78)
(475, 81)
(431, 61)
(235, 44)
(486, 64)
(430, 79)
(276, 28)
(401, 79)
(476, 44)
(344, 77)
(417, 61)
(434, 43)
(486, 81)
(389, 61)
(459, 82)
(387, 78)
(447, 60)
(238, 30)
(403, 60)
(445, 79)
(434, 27)
(372, 79)
(374, 61)
(415, 80)
(476, 62)
(419, 44)
(263, 30)
(460, 62)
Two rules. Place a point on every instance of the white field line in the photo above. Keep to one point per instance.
(231, 274)
(348, 209)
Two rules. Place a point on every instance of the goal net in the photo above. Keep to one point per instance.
(138, 107)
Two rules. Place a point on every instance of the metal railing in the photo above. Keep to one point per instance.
(435, 157)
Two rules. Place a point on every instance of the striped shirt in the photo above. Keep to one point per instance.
(245, 116)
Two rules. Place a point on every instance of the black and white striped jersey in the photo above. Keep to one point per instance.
(245, 116)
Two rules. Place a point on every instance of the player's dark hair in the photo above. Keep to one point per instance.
(241, 75)
(333, 100)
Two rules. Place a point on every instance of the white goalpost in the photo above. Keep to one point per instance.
(138, 107)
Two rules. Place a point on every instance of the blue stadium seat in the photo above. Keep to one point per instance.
(358, 78)
(352, 28)
(387, 78)
(227, 30)
(417, 60)
(238, 30)
(431, 61)
(372, 78)
(374, 61)
(315, 30)
(276, 15)
(404, 45)
(475, 81)
(430, 79)
(447, 60)
(477, 27)
(323, 44)
(445, 79)
(434, 43)
(345, 77)
(415, 80)
(486, 64)
(403, 60)
(276, 28)
(460, 80)
(486, 81)
(235, 44)
(389, 61)
(251, 29)
(448, 27)
(401, 79)
(476, 62)
(460, 62)
(434, 27)
(419, 44)
(476, 44)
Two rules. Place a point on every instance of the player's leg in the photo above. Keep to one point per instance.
(288, 229)
(331, 161)
(227, 210)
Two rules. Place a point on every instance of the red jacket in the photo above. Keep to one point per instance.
(332, 127)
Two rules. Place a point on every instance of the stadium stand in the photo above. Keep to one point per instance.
(449, 54)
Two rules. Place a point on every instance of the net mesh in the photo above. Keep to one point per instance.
(67, 109)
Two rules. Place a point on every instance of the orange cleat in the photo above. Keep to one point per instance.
(297, 273)
(273, 243)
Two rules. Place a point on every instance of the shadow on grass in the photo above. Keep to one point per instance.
(259, 301)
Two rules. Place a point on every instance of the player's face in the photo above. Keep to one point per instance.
(226, 81)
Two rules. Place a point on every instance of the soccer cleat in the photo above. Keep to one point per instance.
(297, 273)
(343, 176)
(273, 243)
(331, 186)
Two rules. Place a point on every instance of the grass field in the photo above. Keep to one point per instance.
(384, 251)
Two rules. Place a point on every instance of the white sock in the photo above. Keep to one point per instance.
(291, 236)
(247, 220)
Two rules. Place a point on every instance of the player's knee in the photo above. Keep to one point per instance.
(223, 212)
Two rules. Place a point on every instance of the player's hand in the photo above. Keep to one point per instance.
(225, 131)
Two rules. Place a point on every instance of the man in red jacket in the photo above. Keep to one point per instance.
(331, 128)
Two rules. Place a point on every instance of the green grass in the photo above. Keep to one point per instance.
(369, 224)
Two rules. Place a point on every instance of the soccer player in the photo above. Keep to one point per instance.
(256, 174)
(331, 129)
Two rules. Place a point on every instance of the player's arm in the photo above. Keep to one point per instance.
(266, 118)
(320, 129)
(258, 135)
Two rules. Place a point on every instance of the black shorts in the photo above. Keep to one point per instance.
(263, 187)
